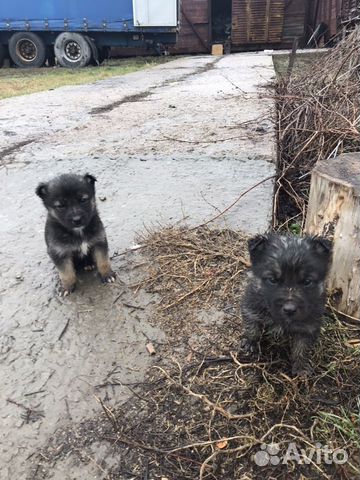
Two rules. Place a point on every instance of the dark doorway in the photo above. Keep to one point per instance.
(220, 20)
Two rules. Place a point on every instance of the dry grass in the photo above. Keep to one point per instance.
(208, 418)
(17, 81)
(195, 265)
(303, 61)
(318, 118)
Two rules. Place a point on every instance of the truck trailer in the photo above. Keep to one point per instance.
(77, 32)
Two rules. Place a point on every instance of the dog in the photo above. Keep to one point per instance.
(286, 293)
(74, 234)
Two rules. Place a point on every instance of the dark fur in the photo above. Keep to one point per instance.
(74, 234)
(286, 292)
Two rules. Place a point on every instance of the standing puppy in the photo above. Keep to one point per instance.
(286, 293)
(74, 233)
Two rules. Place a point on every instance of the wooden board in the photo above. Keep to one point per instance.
(334, 211)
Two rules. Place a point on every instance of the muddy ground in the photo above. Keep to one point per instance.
(174, 144)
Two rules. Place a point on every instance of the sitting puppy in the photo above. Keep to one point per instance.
(286, 293)
(74, 233)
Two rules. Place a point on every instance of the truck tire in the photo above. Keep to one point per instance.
(72, 50)
(94, 51)
(27, 50)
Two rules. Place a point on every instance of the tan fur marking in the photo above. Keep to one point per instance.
(102, 262)
(67, 274)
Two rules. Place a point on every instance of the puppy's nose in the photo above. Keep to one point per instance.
(289, 308)
(76, 221)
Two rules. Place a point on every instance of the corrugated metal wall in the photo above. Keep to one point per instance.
(257, 21)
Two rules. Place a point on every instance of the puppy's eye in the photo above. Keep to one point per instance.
(307, 282)
(59, 206)
(272, 280)
(83, 199)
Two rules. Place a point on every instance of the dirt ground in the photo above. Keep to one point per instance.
(171, 145)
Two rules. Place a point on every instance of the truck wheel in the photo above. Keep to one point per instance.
(94, 51)
(27, 50)
(72, 50)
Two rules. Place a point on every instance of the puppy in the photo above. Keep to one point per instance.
(286, 293)
(74, 234)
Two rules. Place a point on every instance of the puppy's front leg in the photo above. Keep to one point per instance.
(252, 330)
(102, 261)
(67, 276)
(300, 349)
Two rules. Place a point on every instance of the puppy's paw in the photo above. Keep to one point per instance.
(66, 291)
(89, 268)
(110, 277)
(302, 369)
(250, 347)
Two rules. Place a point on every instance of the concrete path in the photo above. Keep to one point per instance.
(175, 143)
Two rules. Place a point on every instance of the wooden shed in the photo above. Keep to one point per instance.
(242, 24)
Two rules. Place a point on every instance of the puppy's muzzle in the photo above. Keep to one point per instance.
(76, 221)
(289, 309)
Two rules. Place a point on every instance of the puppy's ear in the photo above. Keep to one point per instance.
(89, 179)
(321, 245)
(42, 190)
(257, 246)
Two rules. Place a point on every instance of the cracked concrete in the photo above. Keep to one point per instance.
(176, 143)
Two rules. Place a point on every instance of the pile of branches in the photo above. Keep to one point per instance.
(350, 14)
(318, 118)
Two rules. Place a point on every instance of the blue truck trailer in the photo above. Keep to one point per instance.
(77, 32)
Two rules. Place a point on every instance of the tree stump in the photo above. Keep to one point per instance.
(334, 211)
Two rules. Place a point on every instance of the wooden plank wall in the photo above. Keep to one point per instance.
(295, 22)
(196, 12)
(257, 21)
(328, 12)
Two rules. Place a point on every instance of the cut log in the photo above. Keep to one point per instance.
(334, 211)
